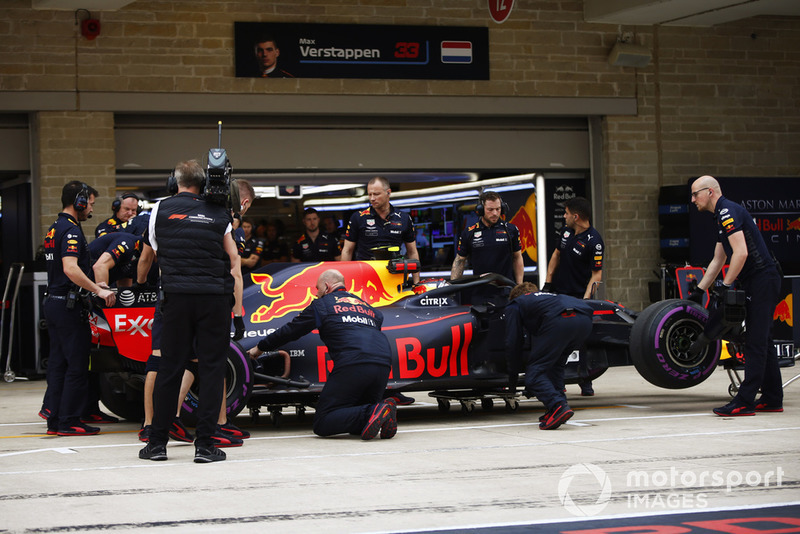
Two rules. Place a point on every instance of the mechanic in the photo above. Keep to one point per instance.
(556, 325)
(576, 266)
(196, 251)
(114, 259)
(124, 209)
(379, 226)
(253, 248)
(350, 401)
(274, 250)
(492, 245)
(314, 245)
(66, 312)
(750, 262)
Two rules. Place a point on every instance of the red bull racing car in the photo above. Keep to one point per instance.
(440, 342)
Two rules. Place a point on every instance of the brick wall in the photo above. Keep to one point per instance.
(720, 100)
(74, 146)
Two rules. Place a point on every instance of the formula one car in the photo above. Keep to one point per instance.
(441, 343)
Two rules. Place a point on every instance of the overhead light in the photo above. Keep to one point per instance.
(450, 192)
(629, 55)
(317, 189)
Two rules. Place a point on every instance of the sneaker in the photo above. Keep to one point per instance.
(99, 418)
(78, 429)
(44, 413)
(389, 427)
(762, 406)
(587, 390)
(52, 432)
(400, 399)
(382, 412)
(557, 416)
(221, 439)
(233, 430)
(205, 455)
(154, 452)
(144, 433)
(178, 432)
(545, 415)
(734, 410)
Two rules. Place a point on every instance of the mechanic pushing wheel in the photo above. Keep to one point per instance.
(755, 269)
(350, 401)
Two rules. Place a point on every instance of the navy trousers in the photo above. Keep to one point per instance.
(761, 370)
(68, 363)
(555, 339)
(348, 398)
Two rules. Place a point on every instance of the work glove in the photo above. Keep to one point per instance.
(696, 295)
(238, 325)
(699, 345)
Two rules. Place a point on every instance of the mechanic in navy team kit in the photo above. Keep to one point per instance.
(115, 258)
(124, 210)
(193, 240)
(350, 401)
(750, 262)
(379, 226)
(492, 245)
(315, 245)
(556, 325)
(68, 265)
(253, 248)
(274, 249)
(576, 266)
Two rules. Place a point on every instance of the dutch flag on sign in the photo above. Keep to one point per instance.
(456, 52)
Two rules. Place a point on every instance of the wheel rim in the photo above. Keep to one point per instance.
(680, 337)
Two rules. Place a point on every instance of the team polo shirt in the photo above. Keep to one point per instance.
(490, 248)
(323, 248)
(580, 255)
(110, 225)
(731, 218)
(124, 249)
(348, 326)
(64, 239)
(369, 231)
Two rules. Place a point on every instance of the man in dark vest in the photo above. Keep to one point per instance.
(196, 249)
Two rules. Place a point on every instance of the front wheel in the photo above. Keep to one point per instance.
(660, 341)
(239, 381)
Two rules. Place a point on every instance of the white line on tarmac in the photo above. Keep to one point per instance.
(438, 429)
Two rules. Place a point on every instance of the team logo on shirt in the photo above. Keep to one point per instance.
(370, 222)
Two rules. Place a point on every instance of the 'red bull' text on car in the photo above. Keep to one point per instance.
(440, 342)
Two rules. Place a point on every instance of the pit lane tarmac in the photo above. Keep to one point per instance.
(632, 451)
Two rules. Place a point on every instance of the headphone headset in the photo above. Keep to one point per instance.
(172, 184)
(117, 204)
(81, 201)
(482, 200)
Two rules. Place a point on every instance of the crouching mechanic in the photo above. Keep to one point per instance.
(350, 401)
(556, 326)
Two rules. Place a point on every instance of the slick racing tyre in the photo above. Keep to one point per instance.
(660, 341)
(238, 386)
